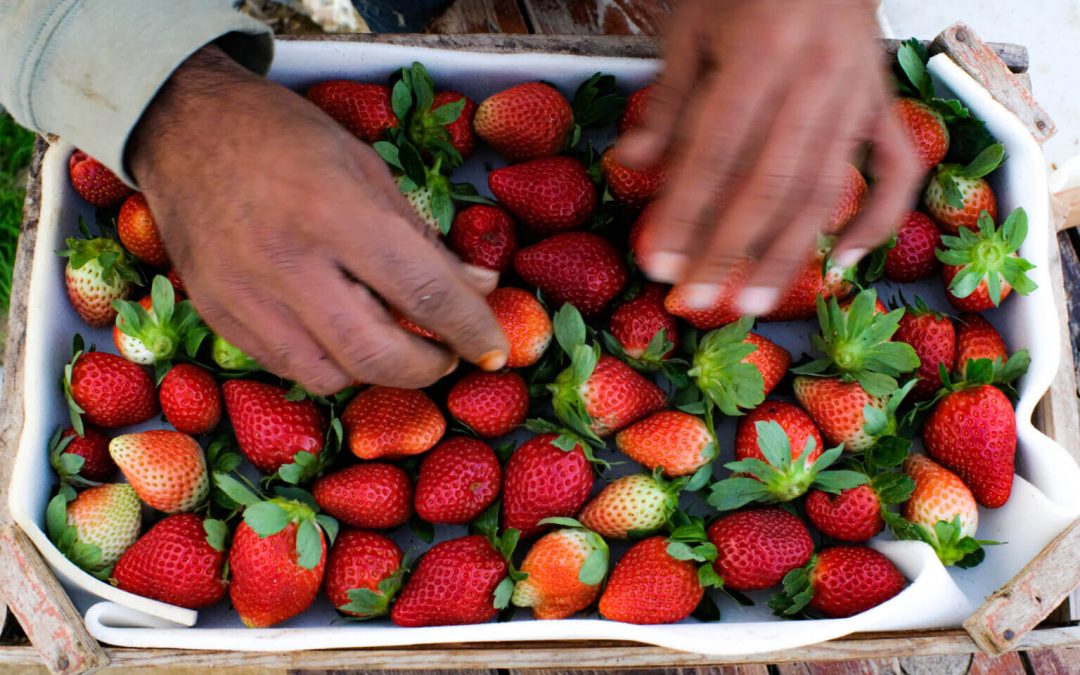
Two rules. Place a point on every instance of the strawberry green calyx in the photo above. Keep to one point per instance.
(67, 465)
(293, 507)
(719, 372)
(487, 525)
(230, 357)
(949, 176)
(989, 255)
(102, 255)
(948, 540)
(884, 425)
(857, 345)
(779, 479)
(797, 590)
(571, 334)
(597, 104)
(162, 329)
(595, 567)
(688, 541)
(411, 98)
(365, 603)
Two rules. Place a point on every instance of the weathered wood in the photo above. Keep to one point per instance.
(979, 60)
(944, 664)
(580, 17)
(1006, 664)
(479, 16)
(1066, 208)
(749, 669)
(865, 667)
(1053, 661)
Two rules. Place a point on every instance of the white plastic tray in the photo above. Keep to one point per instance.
(1045, 497)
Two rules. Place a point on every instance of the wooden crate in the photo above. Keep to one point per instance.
(1030, 612)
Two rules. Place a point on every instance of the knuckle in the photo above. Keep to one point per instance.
(425, 294)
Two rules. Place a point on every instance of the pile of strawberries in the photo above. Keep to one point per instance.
(251, 491)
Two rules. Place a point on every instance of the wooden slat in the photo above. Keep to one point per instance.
(864, 667)
(479, 16)
(582, 17)
(1006, 664)
(1054, 661)
(1066, 207)
(749, 669)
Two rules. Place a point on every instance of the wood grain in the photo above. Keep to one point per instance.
(612, 17)
(1054, 661)
(750, 669)
(1006, 664)
(1066, 207)
(479, 16)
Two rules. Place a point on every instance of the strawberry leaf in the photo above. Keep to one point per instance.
(424, 530)
(309, 544)
(986, 161)
(561, 521)
(719, 370)
(329, 525)
(597, 103)
(595, 567)
(216, 532)
(266, 518)
(569, 328)
(798, 590)
(708, 578)
(235, 490)
(706, 611)
(503, 591)
(912, 58)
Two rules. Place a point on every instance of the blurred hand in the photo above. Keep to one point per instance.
(287, 232)
(760, 105)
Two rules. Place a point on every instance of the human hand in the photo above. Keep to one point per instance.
(287, 232)
(760, 106)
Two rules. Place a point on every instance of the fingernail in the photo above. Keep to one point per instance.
(452, 368)
(492, 360)
(666, 266)
(757, 300)
(850, 257)
(482, 275)
(701, 296)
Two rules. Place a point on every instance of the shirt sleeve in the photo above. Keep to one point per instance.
(87, 69)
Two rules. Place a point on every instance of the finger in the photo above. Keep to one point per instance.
(480, 279)
(643, 147)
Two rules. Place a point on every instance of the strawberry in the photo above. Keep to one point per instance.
(941, 512)
(166, 468)
(637, 322)
(460, 130)
(98, 272)
(363, 573)
(798, 426)
(374, 495)
(818, 277)
(548, 476)
(637, 105)
(229, 357)
(277, 561)
(364, 109)
(175, 562)
(735, 369)
(548, 195)
(108, 391)
(151, 330)
(639, 240)
(413, 327)
(597, 394)
(132, 348)
(839, 410)
(978, 339)
(92, 450)
(458, 479)
(527, 120)
(94, 528)
(972, 431)
(94, 182)
(850, 201)
(676, 442)
(957, 195)
(491, 404)
(638, 503)
(757, 547)
(838, 582)
(854, 515)
(912, 257)
(565, 569)
(177, 283)
(632, 187)
(386, 422)
(579, 268)
(649, 586)
(454, 583)
(270, 428)
(421, 199)
(981, 268)
(484, 236)
(525, 323)
(926, 128)
(933, 337)
(139, 234)
(190, 399)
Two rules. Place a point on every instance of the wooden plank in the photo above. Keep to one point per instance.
(975, 57)
(582, 17)
(1053, 661)
(749, 669)
(1006, 664)
(1066, 208)
(479, 16)
(864, 667)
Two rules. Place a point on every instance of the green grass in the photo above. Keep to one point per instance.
(16, 145)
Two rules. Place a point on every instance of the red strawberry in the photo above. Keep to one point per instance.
(175, 563)
(95, 183)
(977, 339)
(648, 586)
(177, 283)
(631, 504)
(412, 327)
(941, 503)
(166, 468)
(458, 480)
(957, 195)
(641, 234)
(564, 571)
(527, 120)
(735, 369)
(854, 515)
(982, 268)
(373, 495)
(542, 480)
(972, 431)
(547, 195)
(107, 517)
(912, 258)
(98, 272)
(933, 338)
(363, 109)
(190, 399)
(840, 581)
(93, 448)
(611, 397)
(850, 201)
(579, 268)
(676, 442)
(454, 584)
(926, 129)
(637, 105)
(386, 422)
(491, 404)
(138, 233)
(633, 187)
(460, 130)
(276, 573)
(798, 426)
(109, 391)
(484, 236)
(756, 548)
(270, 428)
(363, 573)
(525, 323)
(838, 408)
(636, 323)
